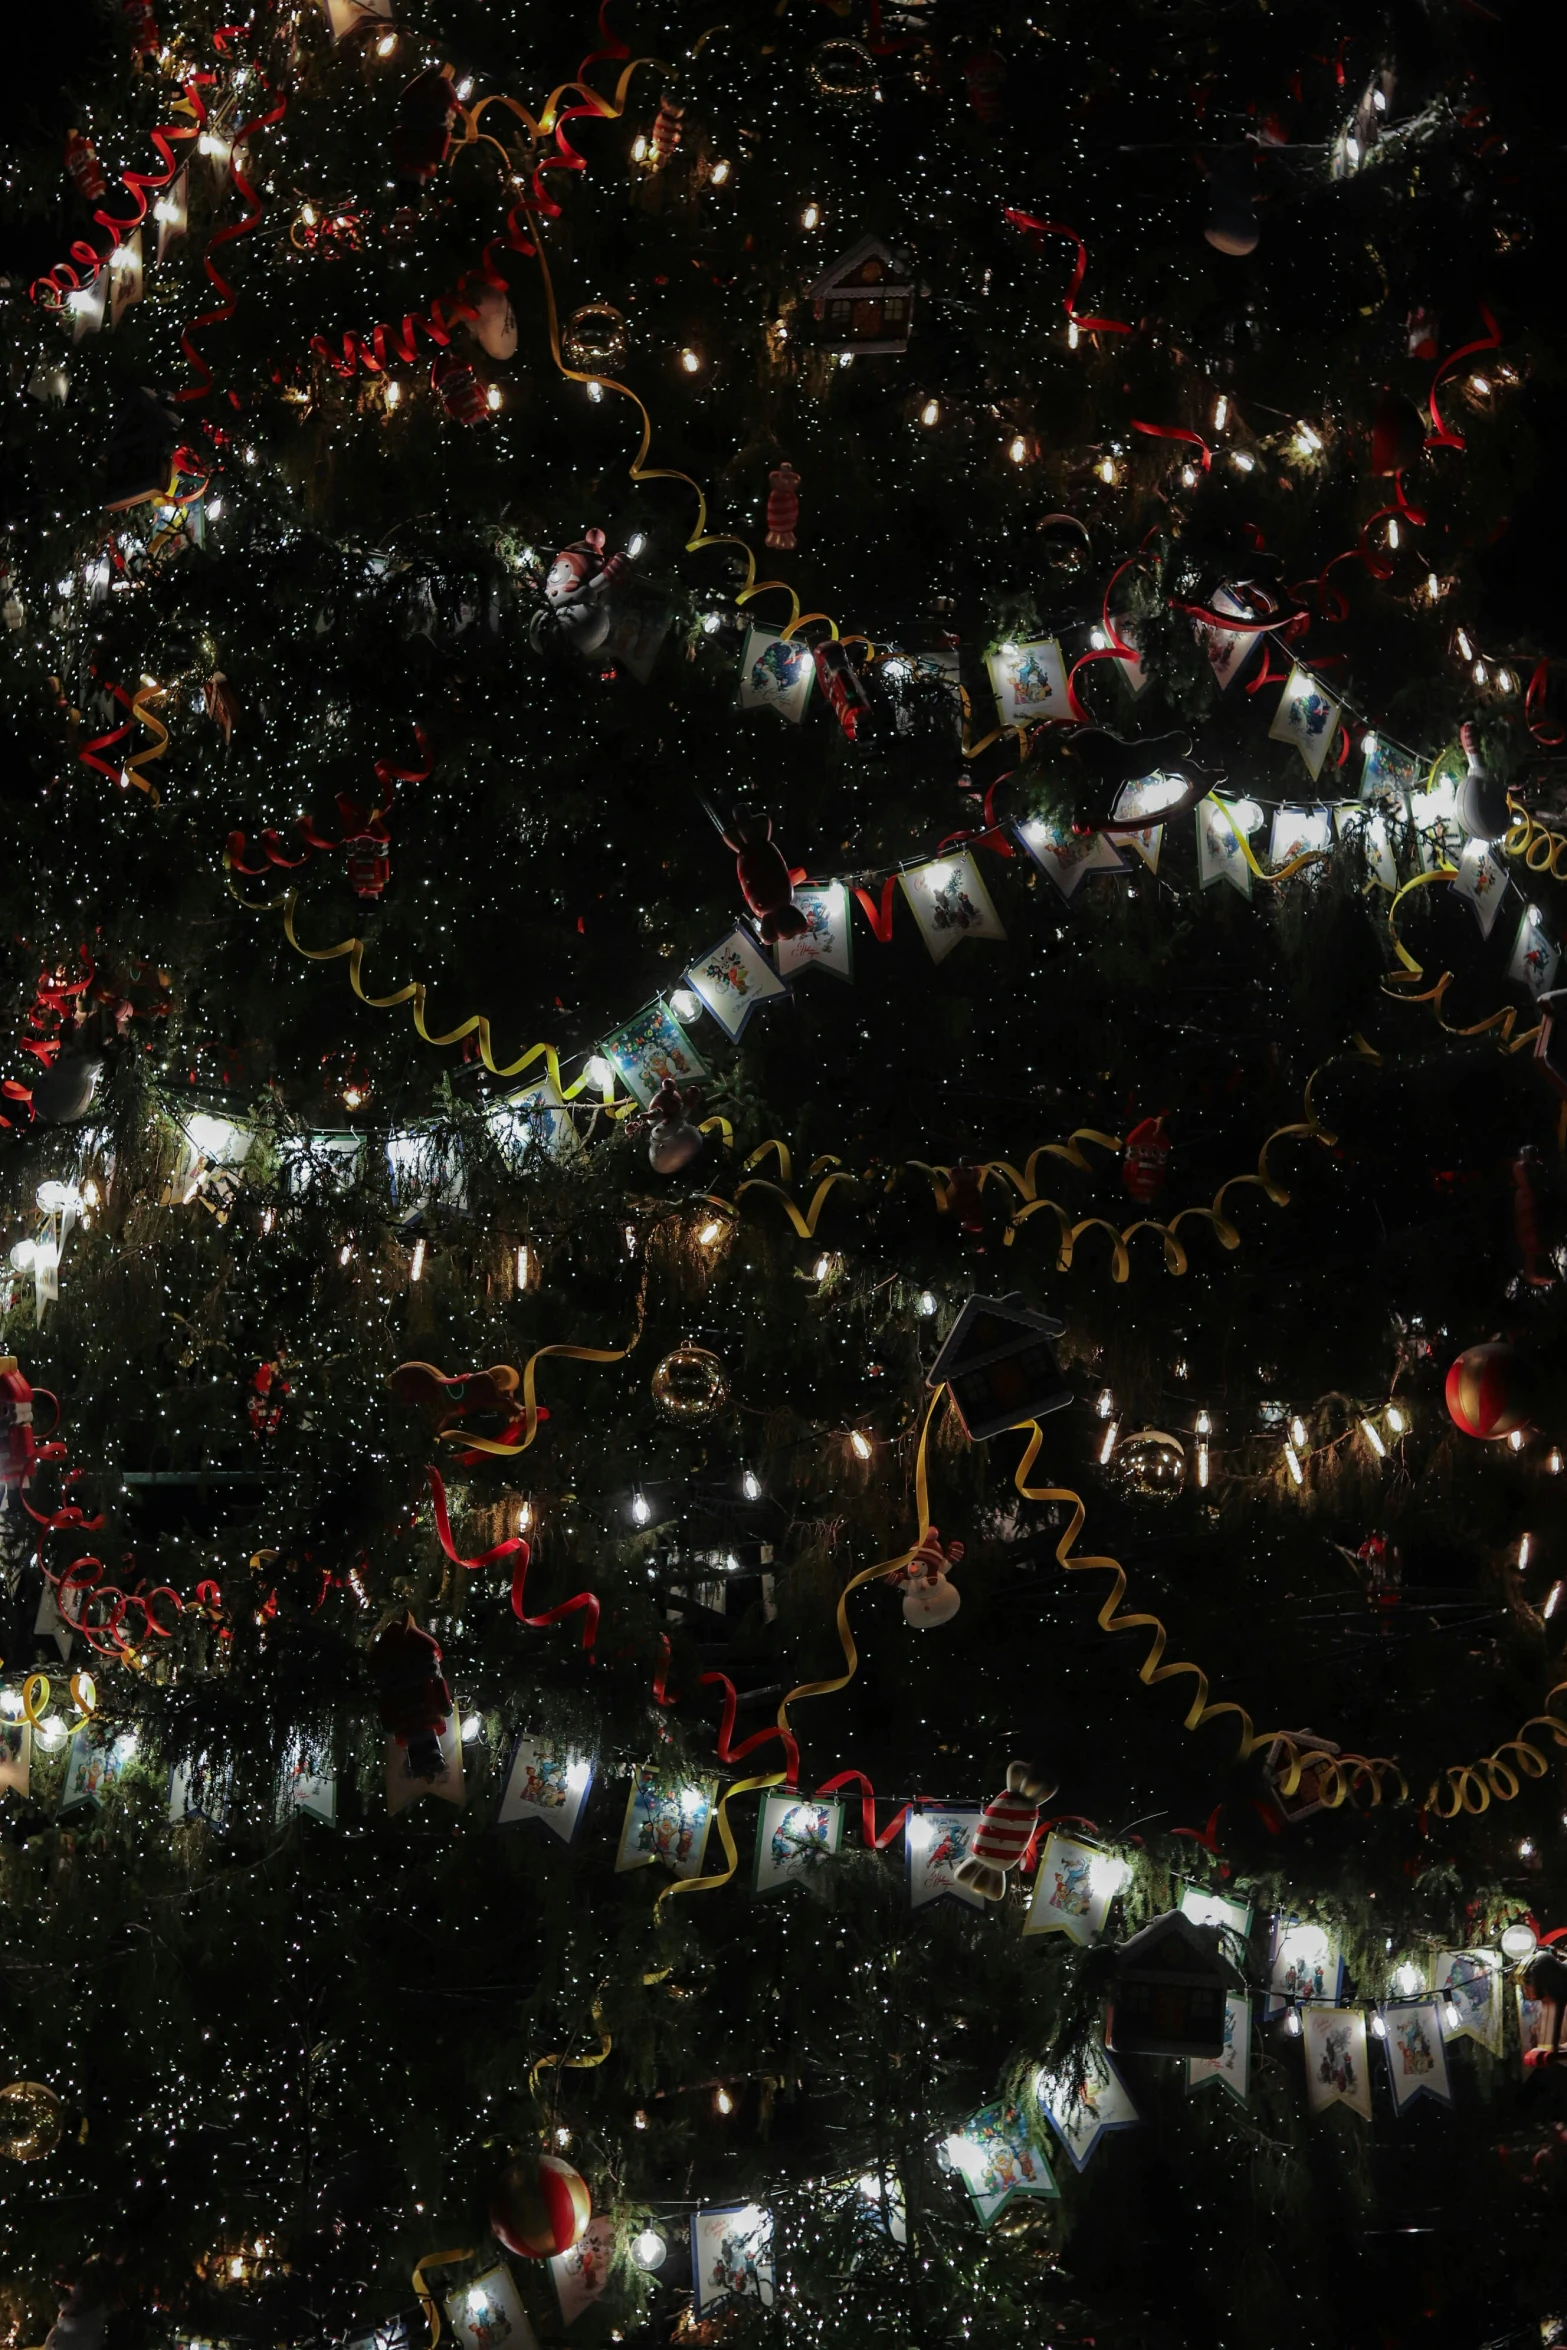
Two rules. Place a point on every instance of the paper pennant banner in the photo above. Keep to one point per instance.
(86, 305)
(1140, 804)
(1073, 1889)
(1468, 1989)
(404, 1786)
(349, 16)
(548, 1785)
(1083, 2105)
(1369, 827)
(1067, 856)
(1436, 827)
(1224, 1910)
(1306, 717)
(733, 978)
(1536, 2030)
(950, 903)
(775, 675)
(1228, 649)
(828, 945)
(1232, 2070)
(1416, 2057)
(650, 1048)
(96, 1759)
(1297, 831)
(666, 1820)
(200, 1790)
(1482, 879)
(125, 276)
(1532, 963)
(172, 211)
(16, 1756)
(1385, 768)
(488, 2314)
(793, 1836)
(535, 1121)
(1334, 2039)
(307, 1781)
(49, 1624)
(731, 2257)
(580, 2275)
(1029, 682)
(997, 2157)
(935, 1839)
(1306, 1965)
(1220, 856)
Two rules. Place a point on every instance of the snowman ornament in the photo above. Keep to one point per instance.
(928, 1598)
(578, 591)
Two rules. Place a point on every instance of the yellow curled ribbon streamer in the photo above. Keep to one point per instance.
(640, 470)
(35, 1699)
(415, 993)
(726, 1837)
(1413, 973)
(1472, 1787)
(530, 1403)
(142, 708)
(1340, 1773)
(1525, 837)
(1285, 872)
(575, 2064)
(427, 2300)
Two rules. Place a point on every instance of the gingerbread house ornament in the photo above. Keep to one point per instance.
(864, 304)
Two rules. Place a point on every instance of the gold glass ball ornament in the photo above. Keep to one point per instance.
(594, 338)
(690, 1384)
(843, 71)
(1151, 1465)
(31, 2121)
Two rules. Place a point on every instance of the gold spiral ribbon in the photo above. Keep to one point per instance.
(142, 709)
(36, 1692)
(1412, 975)
(1473, 1787)
(1526, 837)
(529, 1397)
(575, 2064)
(1285, 872)
(427, 2300)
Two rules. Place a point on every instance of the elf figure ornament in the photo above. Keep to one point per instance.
(1005, 1827)
(928, 1598)
(412, 1693)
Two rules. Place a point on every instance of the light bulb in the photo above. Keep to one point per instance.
(635, 544)
(1450, 2015)
(639, 148)
(23, 1255)
(860, 1444)
(386, 45)
(1378, 2026)
(471, 1727)
(925, 1304)
(1352, 150)
(1523, 1551)
(1071, 334)
(641, 1507)
(1106, 469)
(811, 216)
(691, 360)
(1204, 1424)
(1298, 1433)
(683, 1002)
(595, 389)
(394, 394)
(1221, 412)
(1397, 1419)
(1465, 648)
(1018, 450)
(1519, 1940)
(724, 2102)
(931, 411)
(709, 1233)
(1112, 1431)
(1553, 1460)
(1516, 1440)
(524, 1515)
(492, 398)
(1479, 673)
(1292, 2021)
(750, 1484)
(1293, 1458)
(345, 1252)
(1244, 462)
(1105, 1406)
(648, 2249)
(599, 1072)
(719, 173)
(524, 1265)
(1407, 1979)
(416, 1264)
(823, 1268)
(1308, 440)
(1554, 1600)
(1373, 1437)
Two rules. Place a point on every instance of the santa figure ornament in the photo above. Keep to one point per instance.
(1005, 1827)
(928, 1598)
(86, 172)
(578, 590)
(1147, 1160)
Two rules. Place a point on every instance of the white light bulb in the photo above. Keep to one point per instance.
(641, 1507)
(931, 412)
(860, 1444)
(751, 1485)
(684, 1003)
(925, 1304)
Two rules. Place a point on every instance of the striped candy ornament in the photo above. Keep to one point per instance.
(1005, 1826)
(539, 2206)
(1488, 1391)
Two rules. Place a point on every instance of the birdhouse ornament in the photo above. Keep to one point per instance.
(1005, 1828)
(1171, 1984)
(928, 1598)
(997, 1362)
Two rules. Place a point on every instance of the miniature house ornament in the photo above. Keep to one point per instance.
(864, 304)
(998, 1362)
(1171, 1983)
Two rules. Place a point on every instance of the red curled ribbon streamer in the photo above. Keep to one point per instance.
(140, 184)
(225, 236)
(1039, 230)
(1442, 435)
(1546, 730)
(1176, 432)
(728, 1752)
(516, 1548)
(874, 1842)
(1116, 650)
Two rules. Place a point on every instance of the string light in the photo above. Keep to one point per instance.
(811, 216)
(719, 173)
(1018, 450)
(641, 1507)
(1221, 412)
(1373, 1437)
(386, 45)
(860, 1444)
(416, 1267)
(750, 1484)
(691, 360)
(724, 2102)
(931, 411)
(1397, 1419)
(1112, 1431)
(1293, 1458)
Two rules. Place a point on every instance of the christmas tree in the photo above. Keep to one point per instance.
(783, 1167)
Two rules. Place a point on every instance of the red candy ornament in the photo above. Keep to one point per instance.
(1488, 1391)
(539, 2206)
(1147, 1159)
(84, 169)
(766, 883)
(783, 505)
(459, 391)
(1005, 1827)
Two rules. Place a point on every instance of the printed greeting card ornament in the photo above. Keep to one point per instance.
(762, 870)
(1068, 857)
(1337, 2073)
(950, 902)
(411, 1692)
(783, 506)
(936, 1840)
(1482, 879)
(1169, 1992)
(1416, 2055)
(1490, 1391)
(1074, 1886)
(673, 1141)
(776, 673)
(1231, 2068)
(1306, 717)
(928, 1597)
(1535, 956)
(734, 978)
(998, 1363)
(826, 943)
(1145, 1160)
(997, 2157)
(1029, 682)
(1005, 1827)
(1081, 2105)
(578, 591)
(539, 2206)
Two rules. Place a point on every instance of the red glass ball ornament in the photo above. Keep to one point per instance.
(539, 2206)
(1487, 1391)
